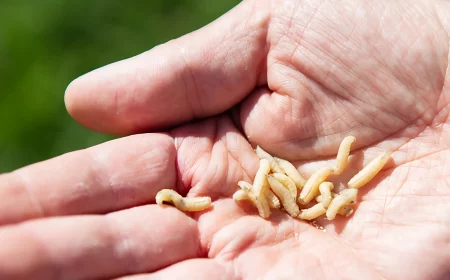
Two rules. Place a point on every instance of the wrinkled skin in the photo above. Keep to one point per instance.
(295, 77)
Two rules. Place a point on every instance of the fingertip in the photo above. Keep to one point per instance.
(68, 98)
(89, 101)
(70, 101)
(79, 103)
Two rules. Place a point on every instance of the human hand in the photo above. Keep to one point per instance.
(299, 77)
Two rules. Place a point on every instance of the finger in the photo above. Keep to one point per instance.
(111, 176)
(189, 269)
(137, 240)
(201, 74)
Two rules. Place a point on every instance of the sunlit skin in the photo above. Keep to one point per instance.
(294, 77)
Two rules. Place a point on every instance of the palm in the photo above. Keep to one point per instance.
(397, 221)
(309, 106)
(303, 77)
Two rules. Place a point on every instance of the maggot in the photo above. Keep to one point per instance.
(246, 186)
(284, 195)
(345, 197)
(325, 191)
(273, 200)
(343, 154)
(312, 212)
(369, 171)
(319, 198)
(260, 202)
(345, 210)
(287, 182)
(260, 183)
(311, 188)
(241, 194)
(273, 162)
(183, 203)
(290, 170)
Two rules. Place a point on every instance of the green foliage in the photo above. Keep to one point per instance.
(46, 44)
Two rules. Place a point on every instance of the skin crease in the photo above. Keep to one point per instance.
(294, 77)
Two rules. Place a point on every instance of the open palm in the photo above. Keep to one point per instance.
(294, 77)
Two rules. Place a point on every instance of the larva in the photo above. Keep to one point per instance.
(245, 186)
(313, 212)
(369, 171)
(287, 182)
(274, 202)
(311, 188)
(261, 203)
(345, 197)
(345, 210)
(325, 191)
(343, 154)
(259, 184)
(273, 162)
(284, 195)
(290, 170)
(183, 203)
(319, 198)
(241, 194)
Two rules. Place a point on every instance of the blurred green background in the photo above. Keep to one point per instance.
(46, 44)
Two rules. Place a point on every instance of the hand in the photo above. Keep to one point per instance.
(295, 77)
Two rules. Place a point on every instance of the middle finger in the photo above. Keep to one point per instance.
(108, 177)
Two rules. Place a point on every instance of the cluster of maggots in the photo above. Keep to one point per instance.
(279, 185)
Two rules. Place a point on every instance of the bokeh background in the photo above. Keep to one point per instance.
(46, 44)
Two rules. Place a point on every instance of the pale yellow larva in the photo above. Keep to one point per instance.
(311, 188)
(290, 170)
(187, 204)
(325, 192)
(284, 195)
(312, 212)
(287, 182)
(343, 154)
(369, 171)
(345, 197)
(273, 162)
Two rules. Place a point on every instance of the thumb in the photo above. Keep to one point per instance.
(200, 74)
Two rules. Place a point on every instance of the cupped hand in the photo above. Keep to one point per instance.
(294, 77)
